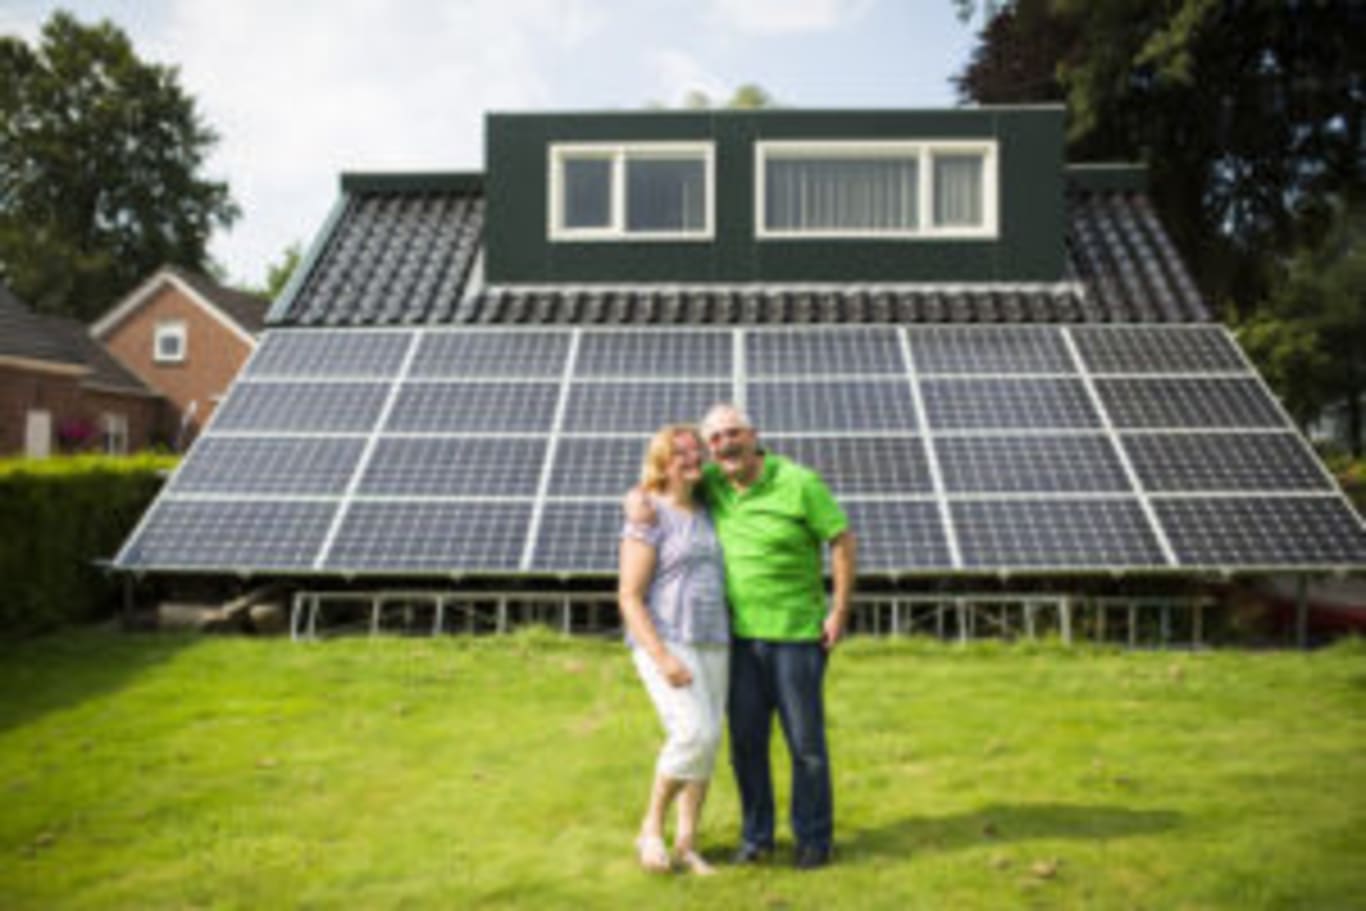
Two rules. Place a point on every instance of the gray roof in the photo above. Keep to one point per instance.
(26, 334)
(61, 340)
(105, 370)
(247, 310)
(409, 255)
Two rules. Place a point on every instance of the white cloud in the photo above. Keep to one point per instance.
(764, 17)
(302, 91)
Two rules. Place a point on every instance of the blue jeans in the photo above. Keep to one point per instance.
(784, 676)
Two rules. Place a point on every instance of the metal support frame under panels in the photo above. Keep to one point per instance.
(1135, 622)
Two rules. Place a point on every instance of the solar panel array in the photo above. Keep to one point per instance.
(953, 448)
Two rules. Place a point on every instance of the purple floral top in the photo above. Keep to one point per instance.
(687, 595)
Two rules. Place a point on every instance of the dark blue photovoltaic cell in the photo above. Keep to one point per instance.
(1030, 464)
(1053, 534)
(802, 353)
(579, 537)
(655, 354)
(1280, 531)
(329, 353)
(1223, 462)
(1194, 403)
(1017, 404)
(1157, 349)
(861, 465)
(263, 465)
(474, 408)
(302, 407)
(490, 355)
(831, 405)
(455, 466)
(643, 408)
(433, 536)
(898, 535)
(989, 349)
(230, 534)
(596, 466)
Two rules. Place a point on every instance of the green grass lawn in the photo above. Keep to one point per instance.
(152, 772)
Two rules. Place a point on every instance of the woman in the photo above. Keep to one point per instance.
(672, 595)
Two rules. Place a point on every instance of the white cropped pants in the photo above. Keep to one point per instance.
(692, 715)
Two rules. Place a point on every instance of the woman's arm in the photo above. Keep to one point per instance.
(637, 566)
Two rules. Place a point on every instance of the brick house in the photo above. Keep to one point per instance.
(185, 336)
(60, 390)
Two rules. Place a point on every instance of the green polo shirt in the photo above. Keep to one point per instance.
(771, 536)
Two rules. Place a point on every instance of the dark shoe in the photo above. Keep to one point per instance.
(811, 857)
(752, 854)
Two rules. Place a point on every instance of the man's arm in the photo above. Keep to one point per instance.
(843, 568)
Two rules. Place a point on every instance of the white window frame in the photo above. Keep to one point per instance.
(618, 153)
(170, 329)
(923, 151)
(114, 427)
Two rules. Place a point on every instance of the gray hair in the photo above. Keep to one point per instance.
(715, 412)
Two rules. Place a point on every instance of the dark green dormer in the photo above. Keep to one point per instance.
(973, 195)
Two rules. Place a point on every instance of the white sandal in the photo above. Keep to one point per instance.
(695, 863)
(654, 857)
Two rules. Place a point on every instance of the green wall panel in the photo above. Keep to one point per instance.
(1031, 217)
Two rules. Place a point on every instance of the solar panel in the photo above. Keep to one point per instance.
(433, 535)
(1015, 404)
(578, 537)
(831, 405)
(804, 353)
(1223, 462)
(862, 465)
(302, 407)
(454, 466)
(290, 465)
(1157, 349)
(1042, 534)
(490, 354)
(485, 449)
(596, 466)
(637, 407)
(453, 407)
(1030, 464)
(313, 353)
(227, 534)
(898, 535)
(654, 354)
(989, 349)
(1289, 531)
(1194, 403)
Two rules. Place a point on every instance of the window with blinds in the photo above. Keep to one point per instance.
(875, 189)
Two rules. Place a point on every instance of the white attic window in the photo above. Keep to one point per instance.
(875, 190)
(635, 191)
(169, 342)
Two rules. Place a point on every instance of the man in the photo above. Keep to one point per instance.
(772, 517)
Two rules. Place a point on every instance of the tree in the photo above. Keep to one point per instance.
(279, 273)
(100, 161)
(747, 97)
(1310, 339)
(1248, 113)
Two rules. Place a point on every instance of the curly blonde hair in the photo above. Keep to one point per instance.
(654, 469)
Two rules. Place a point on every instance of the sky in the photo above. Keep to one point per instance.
(302, 90)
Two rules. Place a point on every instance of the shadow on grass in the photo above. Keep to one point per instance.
(63, 669)
(1002, 824)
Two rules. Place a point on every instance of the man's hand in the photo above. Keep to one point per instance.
(673, 670)
(832, 630)
(638, 507)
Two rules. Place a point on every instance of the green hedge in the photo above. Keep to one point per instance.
(57, 516)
